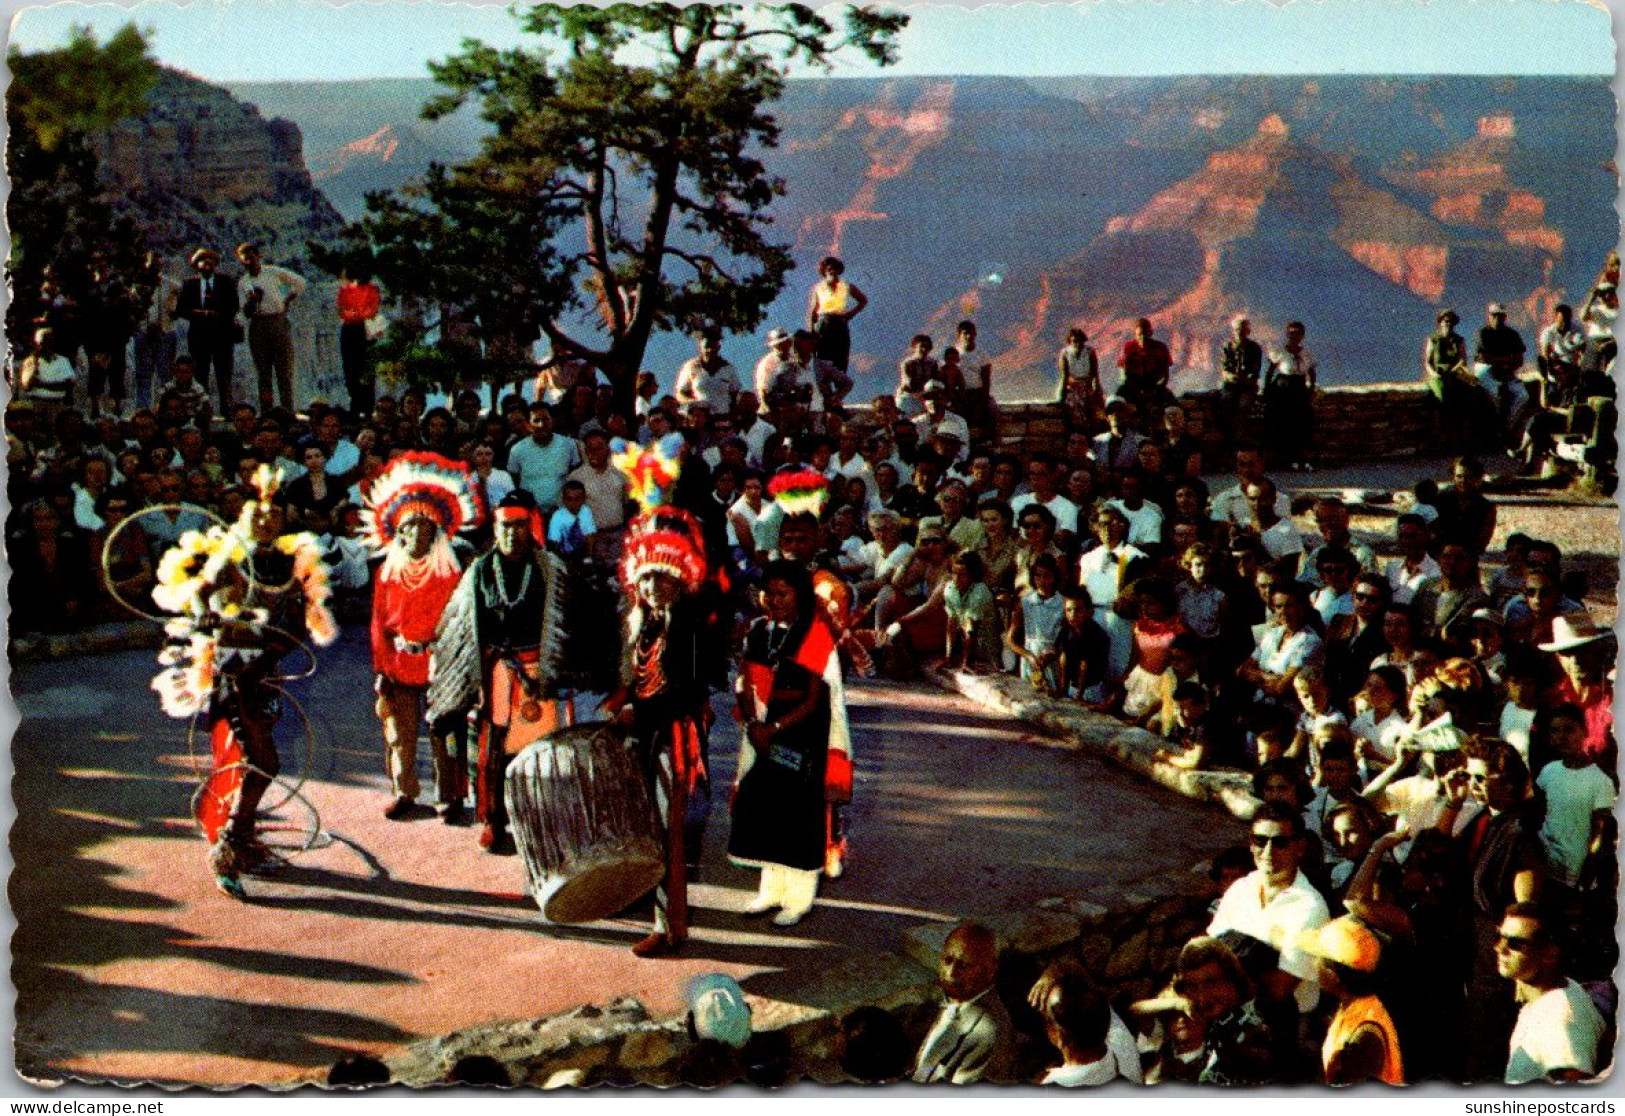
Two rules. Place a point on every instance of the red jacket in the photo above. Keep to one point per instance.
(411, 615)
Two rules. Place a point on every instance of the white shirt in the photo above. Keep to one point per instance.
(1331, 605)
(1231, 506)
(1515, 727)
(1279, 652)
(1064, 510)
(277, 285)
(756, 441)
(1297, 908)
(1405, 582)
(882, 567)
(773, 369)
(1282, 539)
(1556, 1031)
(718, 388)
(1145, 525)
(1100, 571)
(1385, 735)
(1572, 796)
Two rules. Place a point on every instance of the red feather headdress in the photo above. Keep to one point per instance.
(420, 483)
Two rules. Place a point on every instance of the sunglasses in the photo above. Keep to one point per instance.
(1269, 840)
(1515, 944)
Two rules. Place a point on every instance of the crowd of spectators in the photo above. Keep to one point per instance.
(1432, 740)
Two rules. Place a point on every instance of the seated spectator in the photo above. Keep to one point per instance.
(973, 618)
(1238, 1047)
(1362, 1043)
(1559, 1029)
(971, 1039)
(1076, 1019)
(1268, 909)
(1085, 651)
(1191, 738)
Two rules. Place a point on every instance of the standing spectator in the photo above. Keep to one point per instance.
(1559, 1031)
(1289, 399)
(268, 294)
(1362, 1043)
(1444, 370)
(1501, 350)
(46, 378)
(776, 373)
(1503, 859)
(1240, 363)
(111, 313)
(1579, 799)
(708, 377)
(359, 301)
(830, 383)
(831, 307)
(540, 463)
(155, 338)
(209, 303)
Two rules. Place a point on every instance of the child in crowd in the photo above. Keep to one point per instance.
(183, 386)
(571, 528)
(1315, 698)
(1085, 647)
(1511, 581)
(1184, 665)
(1579, 803)
(917, 369)
(973, 617)
(1522, 686)
(1156, 625)
(1201, 603)
(1192, 735)
(647, 388)
(1381, 725)
(1035, 628)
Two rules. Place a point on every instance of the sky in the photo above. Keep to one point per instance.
(269, 40)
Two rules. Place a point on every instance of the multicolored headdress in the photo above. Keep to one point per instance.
(651, 470)
(664, 538)
(802, 492)
(420, 484)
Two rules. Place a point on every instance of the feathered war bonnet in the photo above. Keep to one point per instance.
(662, 538)
(420, 484)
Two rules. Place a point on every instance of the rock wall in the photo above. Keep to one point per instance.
(1130, 941)
(1373, 422)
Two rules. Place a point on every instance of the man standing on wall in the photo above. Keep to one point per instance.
(268, 292)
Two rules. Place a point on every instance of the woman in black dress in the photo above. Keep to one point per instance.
(788, 679)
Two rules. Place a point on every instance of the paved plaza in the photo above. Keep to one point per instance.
(130, 966)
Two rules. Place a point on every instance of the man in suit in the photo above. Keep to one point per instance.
(209, 302)
(971, 1039)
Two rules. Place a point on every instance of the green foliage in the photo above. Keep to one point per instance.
(622, 184)
(58, 97)
(57, 101)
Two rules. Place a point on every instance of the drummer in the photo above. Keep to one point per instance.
(663, 699)
(500, 649)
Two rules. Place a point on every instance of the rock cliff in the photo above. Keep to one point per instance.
(202, 167)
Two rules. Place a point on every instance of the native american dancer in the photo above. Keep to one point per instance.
(791, 704)
(499, 650)
(664, 697)
(244, 595)
(414, 508)
(801, 496)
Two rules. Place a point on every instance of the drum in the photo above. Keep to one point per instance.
(584, 823)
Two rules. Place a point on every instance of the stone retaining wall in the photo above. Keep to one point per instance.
(1069, 725)
(1371, 422)
(103, 639)
(1129, 940)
